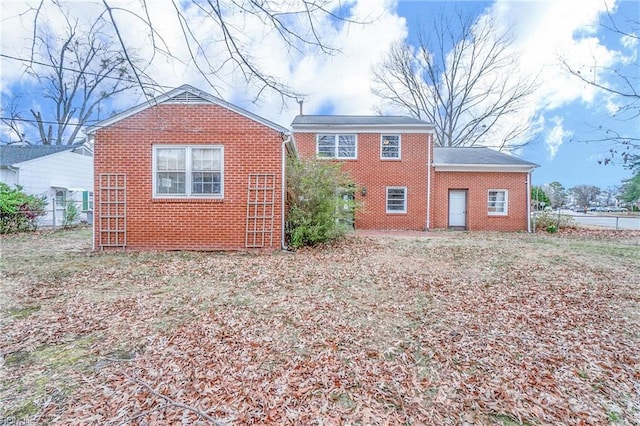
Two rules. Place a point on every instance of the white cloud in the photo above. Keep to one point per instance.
(339, 83)
(556, 136)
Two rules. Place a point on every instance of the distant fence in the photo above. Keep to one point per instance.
(600, 219)
(57, 214)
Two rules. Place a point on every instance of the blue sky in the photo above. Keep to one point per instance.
(562, 112)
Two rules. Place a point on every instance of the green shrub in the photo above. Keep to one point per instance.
(553, 222)
(317, 209)
(70, 214)
(19, 211)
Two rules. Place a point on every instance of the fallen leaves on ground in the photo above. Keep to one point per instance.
(465, 329)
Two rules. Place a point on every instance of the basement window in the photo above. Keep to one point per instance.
(188, 171)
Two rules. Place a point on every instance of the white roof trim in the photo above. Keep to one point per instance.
(362, 128)
(166, 98)
(483, 168)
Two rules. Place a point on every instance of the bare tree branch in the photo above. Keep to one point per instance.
(624, 87)
(100, 72)
(460, 77)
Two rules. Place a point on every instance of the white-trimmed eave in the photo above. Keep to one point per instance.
(165, 100)
(362, 128)
(508, 168)
(19, 164)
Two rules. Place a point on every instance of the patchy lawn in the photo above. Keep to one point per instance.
(475, 328)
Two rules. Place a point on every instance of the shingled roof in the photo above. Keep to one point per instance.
(14, 154)
(359, 123)
(466, 158)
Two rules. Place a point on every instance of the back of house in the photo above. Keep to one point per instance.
(188, 171)
(405, 183)
(386, 156)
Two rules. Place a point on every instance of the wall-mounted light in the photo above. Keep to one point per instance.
(363, 192)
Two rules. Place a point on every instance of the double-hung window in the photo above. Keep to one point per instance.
(188, 171)
(390, 147)
(396, 199)
(497, 202)
(336, 146)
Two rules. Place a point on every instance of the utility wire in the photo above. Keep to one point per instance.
(44, 64)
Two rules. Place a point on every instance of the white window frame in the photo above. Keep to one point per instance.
(336, 151)
(188, 171)
(404, 206)
(505, 210)
(382, 139)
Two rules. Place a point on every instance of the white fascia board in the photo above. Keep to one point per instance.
(333, 128)
(508, 168)
(45, 157)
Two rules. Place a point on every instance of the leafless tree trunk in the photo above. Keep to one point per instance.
(462, 77)
(82, 68)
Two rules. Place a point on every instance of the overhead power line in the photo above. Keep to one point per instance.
(28, 61)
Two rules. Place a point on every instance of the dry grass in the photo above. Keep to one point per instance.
(467, 328)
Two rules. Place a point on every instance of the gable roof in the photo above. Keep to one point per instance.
(185, 94)
(14, 154)
(477, 159)
(360, 123)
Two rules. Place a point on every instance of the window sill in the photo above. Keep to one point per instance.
(391, 159)
(186, 200)
(498, 215)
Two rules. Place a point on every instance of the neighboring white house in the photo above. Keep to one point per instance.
(61, 173)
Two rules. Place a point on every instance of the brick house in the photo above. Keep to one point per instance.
(407, 183)
(188, 171)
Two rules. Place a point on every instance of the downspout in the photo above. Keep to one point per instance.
(429, 149)
(284, 192)
(529, 202)
(93, 225)
(15, 170)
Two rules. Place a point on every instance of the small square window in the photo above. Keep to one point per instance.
(396, 200)
(497, 202)
(390, 147)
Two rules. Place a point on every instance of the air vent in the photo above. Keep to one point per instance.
(187, 98)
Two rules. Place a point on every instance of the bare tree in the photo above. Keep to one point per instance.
(13, 120)
(462, 77)
(622, 83)
(298, 24)
(585, 194)
(76, 71)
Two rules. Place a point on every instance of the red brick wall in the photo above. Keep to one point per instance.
(172, 224)
(477, 185)
(370, 171)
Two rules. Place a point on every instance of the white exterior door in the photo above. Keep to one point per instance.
(458, 208)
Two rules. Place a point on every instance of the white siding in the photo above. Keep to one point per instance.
(8, 176)
(65, 169)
